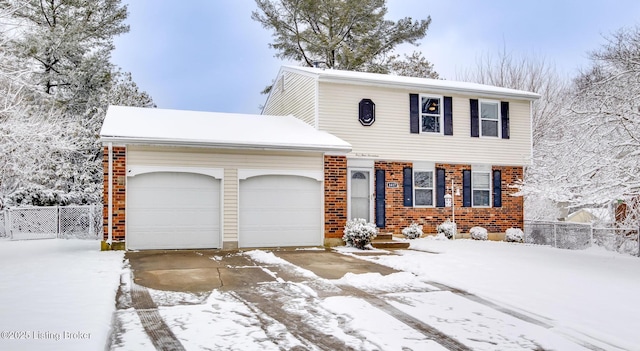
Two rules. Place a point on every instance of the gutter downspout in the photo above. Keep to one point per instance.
(110, 200)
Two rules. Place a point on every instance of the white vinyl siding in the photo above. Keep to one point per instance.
(230, 210)
(298, 98)
(389, 138)
(230, 161)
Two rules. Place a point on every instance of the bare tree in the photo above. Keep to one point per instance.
(605, 112)
(532, 73)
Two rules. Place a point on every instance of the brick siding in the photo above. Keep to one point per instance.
(494, 219)
(335, 195)
(119, 195)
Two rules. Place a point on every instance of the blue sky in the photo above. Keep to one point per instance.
(208, 55)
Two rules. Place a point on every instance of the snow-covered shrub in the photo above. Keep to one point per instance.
(478, 233)
(358, 233)
(514, 235)
(413, 231)
(447, 228)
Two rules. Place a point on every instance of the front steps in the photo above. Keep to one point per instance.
(386, 241)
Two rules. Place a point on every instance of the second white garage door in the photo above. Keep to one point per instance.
(280, 210)
(173, 210)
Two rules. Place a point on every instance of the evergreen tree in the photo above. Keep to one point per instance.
(51, 154)
(342, 34)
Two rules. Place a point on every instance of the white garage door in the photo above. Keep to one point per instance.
(173, 210)
(280, 210)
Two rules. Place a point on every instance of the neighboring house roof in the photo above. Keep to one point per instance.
(586, 215)
(135, 125)
(444, 86)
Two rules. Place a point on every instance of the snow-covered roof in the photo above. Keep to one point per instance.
(136, 125)
(436, 85)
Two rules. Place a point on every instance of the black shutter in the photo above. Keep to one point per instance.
(475, 118)
(466, 188)
(448, 116)
(497, 188)
(380, 205)
(504, 106)
(441, 185)
(407, 185)
(414, 113)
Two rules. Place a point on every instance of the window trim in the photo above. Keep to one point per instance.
(489, 190)
(433, 188)
(499, 118)
(440, 115)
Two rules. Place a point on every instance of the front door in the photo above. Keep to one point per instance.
(360, 194)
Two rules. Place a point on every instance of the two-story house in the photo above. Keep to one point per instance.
(329, 146)
(413, 141)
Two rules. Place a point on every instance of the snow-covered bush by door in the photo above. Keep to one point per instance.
(413, 231)
(447, 228)
(358, 233)
(514, 235)
(478, 233)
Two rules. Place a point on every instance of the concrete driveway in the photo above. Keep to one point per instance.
(283, 300)
(196, 271)
(200, 272)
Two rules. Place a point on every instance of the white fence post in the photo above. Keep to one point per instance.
(9, 224)
(555, 235)
(91, 220)
(5, 223)
(59, 221)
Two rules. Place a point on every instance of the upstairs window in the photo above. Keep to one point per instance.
(430, 114)
(490, 118)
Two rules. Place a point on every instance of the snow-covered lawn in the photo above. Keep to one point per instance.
(590, 295)
(56, 294)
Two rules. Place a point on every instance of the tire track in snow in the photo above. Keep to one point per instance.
(158, 331)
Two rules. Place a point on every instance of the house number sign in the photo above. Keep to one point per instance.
(392, 185)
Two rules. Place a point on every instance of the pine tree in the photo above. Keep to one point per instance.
(53, 155)
(342, 34)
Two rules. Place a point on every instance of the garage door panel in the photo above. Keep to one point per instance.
(167, 210)
(280, 211)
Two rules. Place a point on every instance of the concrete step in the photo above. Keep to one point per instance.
(390, 244)
(384, 237)
(386, 241)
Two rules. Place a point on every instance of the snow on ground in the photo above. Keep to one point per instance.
(54, 289)
(589, 295)
(57, 294)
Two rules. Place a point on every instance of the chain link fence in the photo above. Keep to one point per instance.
(579, 236)
(3, 231)
(23, 223)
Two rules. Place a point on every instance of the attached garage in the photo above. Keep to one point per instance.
(195, 180)
(280, 210)
(173, 210)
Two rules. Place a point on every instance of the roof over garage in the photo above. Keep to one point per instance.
(152, 126)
